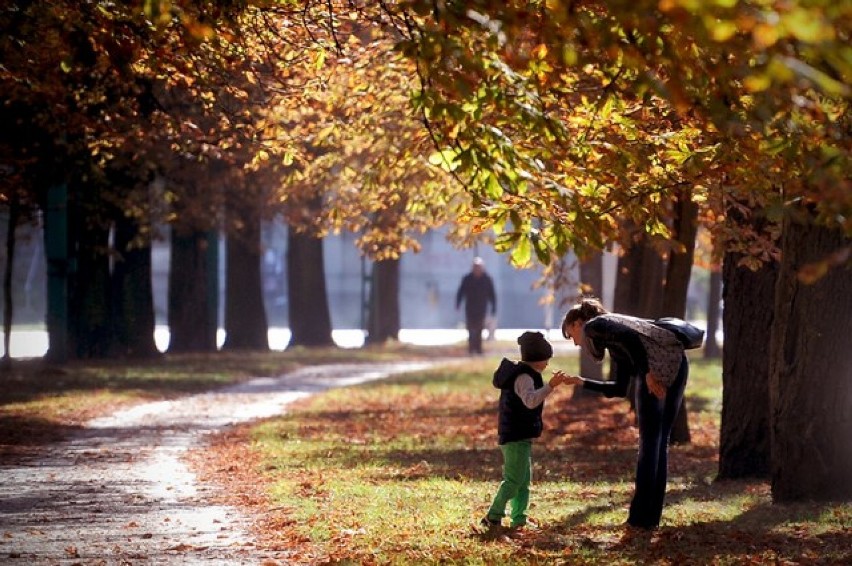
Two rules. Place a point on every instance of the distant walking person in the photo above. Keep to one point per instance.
(477, 292)
(654, 358)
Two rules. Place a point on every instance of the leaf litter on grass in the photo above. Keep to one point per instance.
(429, 441)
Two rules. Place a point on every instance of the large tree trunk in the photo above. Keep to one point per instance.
(57, 249)
(8, 305)
(89, 291)
(747, 317)
(132, 291)
(192, 328)
(679, 267)
(246, 326)
(639, 281)
(310, 319)
(810, 381)
(639, 288)
(384, 319)
(591, 283)
(711, 343)
(678, 273)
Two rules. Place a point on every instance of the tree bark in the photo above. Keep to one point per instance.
(133, 294)
(639, 283)
(679, 267)
(711, 343)
(310, 319)
(384, 318)
(57, 254)
(591, 282)
(678, 274)
(191, 326)
(89, 289)
(638, 289)
(8, 304)
(810, 379)
(246, 326)
(747, 317)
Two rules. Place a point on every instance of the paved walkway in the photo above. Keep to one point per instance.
(119, 492)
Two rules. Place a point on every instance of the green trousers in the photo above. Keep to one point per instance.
(515, 487)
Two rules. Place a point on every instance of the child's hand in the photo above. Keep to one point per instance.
(559, 378)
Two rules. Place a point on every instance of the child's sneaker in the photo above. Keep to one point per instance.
(487, 525)
(527, 525)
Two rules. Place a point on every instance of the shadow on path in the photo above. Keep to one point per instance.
(118, 489)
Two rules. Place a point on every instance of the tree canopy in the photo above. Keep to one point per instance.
(565, 117)
(562, 120)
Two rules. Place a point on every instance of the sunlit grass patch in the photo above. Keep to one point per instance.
(397, 471)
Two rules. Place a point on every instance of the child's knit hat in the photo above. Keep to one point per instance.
(534, 347)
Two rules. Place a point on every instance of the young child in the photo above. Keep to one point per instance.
(522, 395)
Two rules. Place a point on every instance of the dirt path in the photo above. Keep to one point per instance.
(119, 492)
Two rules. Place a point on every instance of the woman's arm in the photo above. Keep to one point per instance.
(617, 388)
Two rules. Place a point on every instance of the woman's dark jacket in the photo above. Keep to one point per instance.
(625, 351)
(516, 420)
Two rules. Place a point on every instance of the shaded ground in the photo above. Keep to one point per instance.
(119, 490)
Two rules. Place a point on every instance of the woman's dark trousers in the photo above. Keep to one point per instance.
(656, 417)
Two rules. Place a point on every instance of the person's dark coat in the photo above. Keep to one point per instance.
(625, 350)
(477, 292)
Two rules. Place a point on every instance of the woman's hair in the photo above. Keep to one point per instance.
(587, 309)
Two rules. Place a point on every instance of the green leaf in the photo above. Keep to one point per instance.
(445, 159)
(522, 253)
(542, 251)
(505, 241)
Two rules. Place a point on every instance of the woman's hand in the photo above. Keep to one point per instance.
(655, 386)
(565, 378)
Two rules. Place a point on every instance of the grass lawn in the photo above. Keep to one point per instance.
(397, 471)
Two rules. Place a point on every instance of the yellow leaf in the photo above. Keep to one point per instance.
(757, 83)
(765, 35)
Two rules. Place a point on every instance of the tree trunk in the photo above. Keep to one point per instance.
(57, 248)
(747, 317)
(810, 379)
(638, 289)
(191, 326)
(711, 343)
(132, 291)
(384, 320)
(246, 326)
(639, 283)
(678, 273)
(8, 305)
(679, 267)
(89, 290)
(591, 283)
(310, 319)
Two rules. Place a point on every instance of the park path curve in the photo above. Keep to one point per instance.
(119, 491)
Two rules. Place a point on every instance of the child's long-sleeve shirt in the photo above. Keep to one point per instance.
(526, 390)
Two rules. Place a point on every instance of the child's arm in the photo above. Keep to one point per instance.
(532, 397)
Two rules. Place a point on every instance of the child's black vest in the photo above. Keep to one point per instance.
(516, 421)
